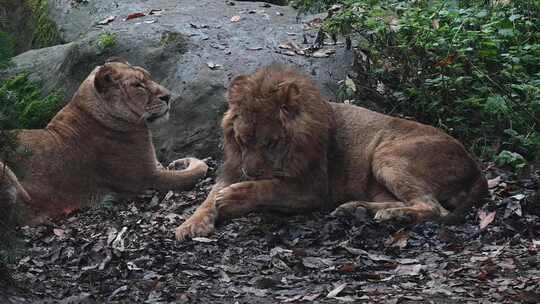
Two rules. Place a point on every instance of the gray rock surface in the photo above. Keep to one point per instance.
(178, 44)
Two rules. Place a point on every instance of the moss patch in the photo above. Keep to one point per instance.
(106, 41)
(174, 41)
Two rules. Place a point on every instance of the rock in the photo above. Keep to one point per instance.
(175, 43)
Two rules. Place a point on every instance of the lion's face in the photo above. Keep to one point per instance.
(277, 125)
(129, 94)
(261, 142)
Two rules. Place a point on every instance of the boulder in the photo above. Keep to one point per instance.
(192, 47)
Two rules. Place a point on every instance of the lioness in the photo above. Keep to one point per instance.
(10, 188)
(99, 143)
(288, 150)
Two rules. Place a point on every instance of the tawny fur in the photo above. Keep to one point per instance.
(99, 143)
(288, 150)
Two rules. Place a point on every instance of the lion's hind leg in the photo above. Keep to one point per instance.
(417, 200)
(417, 209)
(372, 207)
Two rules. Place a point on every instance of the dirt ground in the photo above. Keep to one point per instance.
(125, 252)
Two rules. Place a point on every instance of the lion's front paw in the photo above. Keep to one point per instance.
(235, 200)
(196, 226)
(189, 163)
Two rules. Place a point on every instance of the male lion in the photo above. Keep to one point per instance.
(99, 143)
(288, 150)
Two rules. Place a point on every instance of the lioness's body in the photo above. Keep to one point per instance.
(99, 143)
(288, 150)
(90, 154)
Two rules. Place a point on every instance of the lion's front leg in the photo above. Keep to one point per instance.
(241, 198)
(202, 222)
(172, 179)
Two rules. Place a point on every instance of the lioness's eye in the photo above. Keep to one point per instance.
(140, 85)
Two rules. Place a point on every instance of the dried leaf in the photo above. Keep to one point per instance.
(398, 239)
(485, 218)
(213, 66)
(347, 267)
(132, 266)
(107, 20)
(446, 61)
(118, 242)
(435, 23)
(59, 232)
(134, 15)
(311, 297)
(336, 291)
(323, 53)
(203, 240)
(285, 46)
(492, 183)
(409, 270)
(513, 207)
(316, 262)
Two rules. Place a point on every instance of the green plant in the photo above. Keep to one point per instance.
(45, 31)
(6, 49)
(105, 41)
(22, 105)
(512, 159)
(469, 67)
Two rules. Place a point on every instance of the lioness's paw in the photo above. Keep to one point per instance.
(196, 226)
(189, 163)
(235, 200)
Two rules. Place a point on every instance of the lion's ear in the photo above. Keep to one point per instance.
(105, 78)
(117, 59)
(289, 107)
(239, 85)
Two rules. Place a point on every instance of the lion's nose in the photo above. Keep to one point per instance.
(166, 98)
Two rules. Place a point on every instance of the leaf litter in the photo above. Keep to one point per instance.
(126, 253)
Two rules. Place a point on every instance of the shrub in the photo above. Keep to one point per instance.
(45, 32)
(6, 49)
(22, 106)
(468, 67)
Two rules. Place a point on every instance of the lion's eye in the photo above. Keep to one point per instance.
(140, 85)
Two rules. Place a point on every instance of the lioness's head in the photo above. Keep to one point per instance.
(130, 94)
(277, 125)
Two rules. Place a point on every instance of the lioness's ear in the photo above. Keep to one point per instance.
(104, 78)
(290, 94)
(237, 86)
